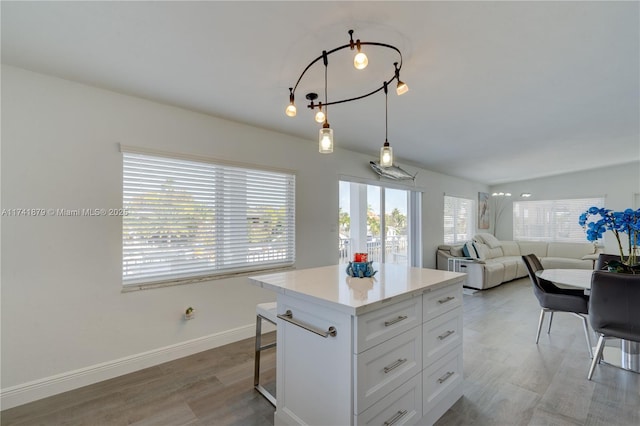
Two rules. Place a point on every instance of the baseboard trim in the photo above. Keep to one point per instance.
(53, 385)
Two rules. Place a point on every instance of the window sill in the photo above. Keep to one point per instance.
(128, 288)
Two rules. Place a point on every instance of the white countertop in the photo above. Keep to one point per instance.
(331, 286)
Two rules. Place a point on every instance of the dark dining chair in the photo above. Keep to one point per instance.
(613, 309)
(555, 299)
(604, 259)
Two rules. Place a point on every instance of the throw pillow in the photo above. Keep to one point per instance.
(488, 239)
(469, 250)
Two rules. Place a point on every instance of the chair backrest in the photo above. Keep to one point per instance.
(603, 259)
(532, 263)
(614, 305)
(540, 286)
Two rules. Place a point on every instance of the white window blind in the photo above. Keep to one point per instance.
(459, 219)
(551, 220)
(190, 219)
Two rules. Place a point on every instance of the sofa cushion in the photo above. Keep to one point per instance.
(487, 239)
(493, 274)
(539, 248)
(457, 251)
(510, 268)
(570, 250)
(510, 248)
(565, 263)
(482, 250)
(492, 253)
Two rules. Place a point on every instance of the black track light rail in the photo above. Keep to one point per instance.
(324, 57)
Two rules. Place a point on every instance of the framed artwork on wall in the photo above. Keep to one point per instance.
(483, 210)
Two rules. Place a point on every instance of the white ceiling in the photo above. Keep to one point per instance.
(499, 91)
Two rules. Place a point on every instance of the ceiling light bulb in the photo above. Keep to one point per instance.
(402, 88)
(320, 117)
(360, 61)
(291, 110)
(386, 155)
(326, 139)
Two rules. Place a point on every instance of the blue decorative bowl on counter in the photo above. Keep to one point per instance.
(360, 269)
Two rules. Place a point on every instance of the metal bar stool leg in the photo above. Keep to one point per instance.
(266, 312)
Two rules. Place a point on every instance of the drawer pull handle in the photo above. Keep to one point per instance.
(446, 299)
(395, 365)
(288, 317)
(393, 321)
(446, 334)
(445, 377)
(397, 416)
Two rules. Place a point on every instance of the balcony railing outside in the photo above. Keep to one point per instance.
(395, 250)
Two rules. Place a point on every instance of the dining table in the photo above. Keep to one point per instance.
(626, 354)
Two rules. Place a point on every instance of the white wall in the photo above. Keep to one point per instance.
(65, 321)
(618, 184)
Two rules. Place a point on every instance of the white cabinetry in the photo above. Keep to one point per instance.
(395, 360)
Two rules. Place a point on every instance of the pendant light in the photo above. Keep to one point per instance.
(325, 143)
(326, 139)
(386, 152)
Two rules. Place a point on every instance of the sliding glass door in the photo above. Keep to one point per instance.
(383, 222)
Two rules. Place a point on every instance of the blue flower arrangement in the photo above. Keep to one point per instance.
(596, 221)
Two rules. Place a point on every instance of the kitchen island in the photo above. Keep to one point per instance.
(356, 351)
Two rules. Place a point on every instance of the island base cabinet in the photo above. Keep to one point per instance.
(403, 406)
(314, 380)
(442, 385)
(398, 362)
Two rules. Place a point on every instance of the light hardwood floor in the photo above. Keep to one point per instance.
(509, 380)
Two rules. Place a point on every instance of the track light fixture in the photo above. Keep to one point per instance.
(360, 61)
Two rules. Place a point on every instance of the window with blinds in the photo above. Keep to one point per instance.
(551, 220)
(188, 219)
(459, 219)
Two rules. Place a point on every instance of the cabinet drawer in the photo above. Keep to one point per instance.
(377, 326)
(383, 368)
(403, 406)
(440, 335)
(441, 378)
(439, 301)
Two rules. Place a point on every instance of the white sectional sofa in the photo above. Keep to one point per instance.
(489, 262)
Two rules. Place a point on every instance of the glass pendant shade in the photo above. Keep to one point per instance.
(360, 61)
(291, 110)
(326, 139)
(320, 117)
(386, 155)
(402, 88)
